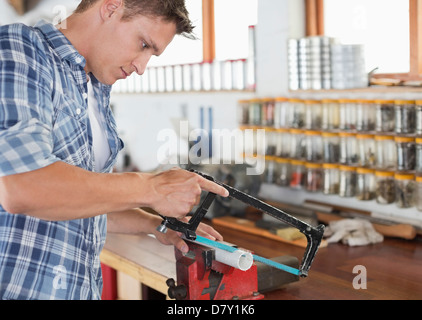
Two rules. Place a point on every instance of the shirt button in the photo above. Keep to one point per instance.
(78, 111)
(85, 95)
(78, 60)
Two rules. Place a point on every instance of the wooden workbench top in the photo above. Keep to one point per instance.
(393, 268)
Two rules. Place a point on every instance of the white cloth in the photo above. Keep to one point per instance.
(99, 135)
(353, 232)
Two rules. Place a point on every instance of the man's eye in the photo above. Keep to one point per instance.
(144, 45)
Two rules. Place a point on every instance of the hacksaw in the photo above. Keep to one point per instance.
(313, 234)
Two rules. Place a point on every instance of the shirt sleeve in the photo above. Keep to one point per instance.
(26, 110)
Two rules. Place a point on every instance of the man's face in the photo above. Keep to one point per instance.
(124, 47)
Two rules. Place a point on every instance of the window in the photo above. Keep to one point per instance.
(382, 26)
(395, 25)
(232, 20)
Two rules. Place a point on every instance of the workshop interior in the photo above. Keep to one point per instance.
(309, 112)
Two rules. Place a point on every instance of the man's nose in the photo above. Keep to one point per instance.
(141, 63)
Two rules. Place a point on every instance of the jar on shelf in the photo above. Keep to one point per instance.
(347, 186)
(385, 116)
(313, 146)
(365, 184)
(331, 178)
(297, 114)
(366, 150)
(419, 117)
(418, 164)
(313, 113)
(297, 180)
(243, 112)
(385, 152)
(330, 114)
(269, 175)
(405, 190)
(283, 172)
(267, 112)
(419, 193)
(405, 117)
(347, 114)
(271, 141)
(330, 147)
(297, 144)
(255, 106)
(281, 113)
(348, 148)
(385, 187)
(365, 115)
(313, 177)
(283, 143)
(406, 153)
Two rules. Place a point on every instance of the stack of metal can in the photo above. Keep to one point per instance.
(320, 62)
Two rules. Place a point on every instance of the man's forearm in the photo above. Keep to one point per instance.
(64, 192)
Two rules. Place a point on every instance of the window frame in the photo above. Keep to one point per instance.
(315, 27)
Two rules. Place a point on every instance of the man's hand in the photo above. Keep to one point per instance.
(175, 192)
(174, 238)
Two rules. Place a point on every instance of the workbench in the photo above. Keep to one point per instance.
(392, 268)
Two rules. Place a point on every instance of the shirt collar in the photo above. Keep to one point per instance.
(60, 43)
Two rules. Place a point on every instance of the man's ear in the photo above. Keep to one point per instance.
(110, 7)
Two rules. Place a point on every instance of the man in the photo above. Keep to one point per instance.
(58, 144)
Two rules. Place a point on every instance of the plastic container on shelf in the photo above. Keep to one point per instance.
(271, 141)
(255, 106)
(313, 114)
(348, 148)
(270, 173)
(366, 150)
(385, 187)
(283, 172)
(297, 114)
(365, 115)
(313, 146)
(313, 177)
(297, 144)
(365, 184)
(297, 180)
(243, 112)
(281, 113)
(330, 117)
(385, 152)
(418, 164)
(283, 143)
(419, 117)
(347, 114)
(406, 153)
(267, 112)
(331, 178)
(419, 193)
(330, 147)
(347, 186)
(405, 117)
(384, 116)
(405, 190)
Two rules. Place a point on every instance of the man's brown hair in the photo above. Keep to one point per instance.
(170, 10)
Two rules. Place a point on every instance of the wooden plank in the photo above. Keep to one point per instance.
(208, 30)
(415, 36)
(249, 227)
(141, 257)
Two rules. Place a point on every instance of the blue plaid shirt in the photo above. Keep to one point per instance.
(44, 119)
